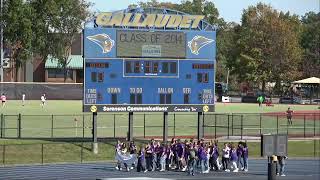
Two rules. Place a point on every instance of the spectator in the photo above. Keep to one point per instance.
(281, 163)
(23, 99)
(192, 158)
(141, 160)
(234, 158)
(225, 157)
(43, 100)
(289, 113)
(260, 100)
(245, 155)
(3, 99)
(240, 155)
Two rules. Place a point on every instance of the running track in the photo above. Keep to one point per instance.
(295, 170)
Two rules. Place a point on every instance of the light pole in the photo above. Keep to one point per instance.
(1, 43)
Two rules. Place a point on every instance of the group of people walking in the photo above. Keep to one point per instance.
(189, 155)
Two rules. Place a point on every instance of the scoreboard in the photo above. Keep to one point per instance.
(136, 68)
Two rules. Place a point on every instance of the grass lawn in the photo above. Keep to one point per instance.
(38, 152)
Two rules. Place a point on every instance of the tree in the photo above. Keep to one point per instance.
(155, 4)
(310, 38)
(17, 32)
(269, 47)
(57, 22)
(208, 9)
(43, 43)
(227, 51)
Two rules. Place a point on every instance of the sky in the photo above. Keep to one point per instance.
(229, 10)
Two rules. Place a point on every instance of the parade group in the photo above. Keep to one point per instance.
(189, 155)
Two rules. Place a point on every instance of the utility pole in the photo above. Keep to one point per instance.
(1, 43)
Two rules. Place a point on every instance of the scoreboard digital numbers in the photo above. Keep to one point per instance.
(147, 62)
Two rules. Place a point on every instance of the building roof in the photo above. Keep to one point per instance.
(311, 80)
(76, 62)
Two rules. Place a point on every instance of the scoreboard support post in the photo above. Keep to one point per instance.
(94, 133)
(200, 125)
(130, 127)
(165, 127)
(271, 147)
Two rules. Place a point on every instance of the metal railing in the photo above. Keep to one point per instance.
(151, 125)
(250, 124)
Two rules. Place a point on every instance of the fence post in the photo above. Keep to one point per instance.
(52, 126)
(81, 155)
(241, 126)
(42, 153)
(82, 125)
(314, 125)
(215, 126)
(19, 125)
(165, 127)
(287, 127)
(114, 125)
(232, 124)
(1, 124)
(144, 125)
(314, 148)
(4, 155)
(228, 125)
(174, 125)
(260, 130)
(200, 126)
(277, 124)
(304, 125)
(130, 127)
(203, 125)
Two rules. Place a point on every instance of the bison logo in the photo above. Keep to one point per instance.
(197, 43)
(102, 40)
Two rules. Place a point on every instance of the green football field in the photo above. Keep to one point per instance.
(60, 119)
(61, 107)
(65, 119)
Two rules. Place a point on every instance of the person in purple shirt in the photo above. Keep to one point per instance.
(141, 166)
(148, 156)
(202, 157)
(245, 155)
(180, 154)
(214, 157)
(169, 156)
(158, 152)
(173, 157)
(240, 155)
(234, 159)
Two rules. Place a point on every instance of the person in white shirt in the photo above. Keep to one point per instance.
(225, 157)
(43, 100)
(23, 99)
